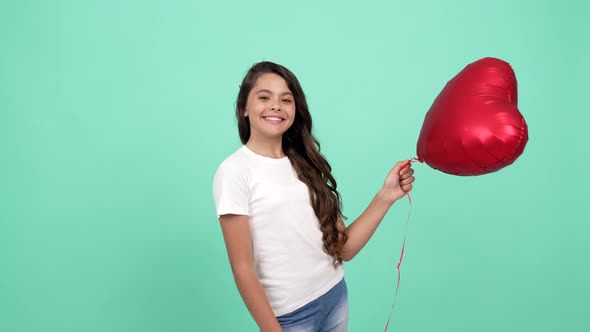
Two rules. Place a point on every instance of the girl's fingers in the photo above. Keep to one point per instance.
(407, 187)
(407, 180)
(398, 168)
(406, 174)
(405, 169)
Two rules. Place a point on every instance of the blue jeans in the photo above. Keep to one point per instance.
(329, 312)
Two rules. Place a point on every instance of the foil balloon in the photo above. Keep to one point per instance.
(474, 126)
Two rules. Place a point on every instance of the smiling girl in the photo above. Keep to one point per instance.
(280, 210)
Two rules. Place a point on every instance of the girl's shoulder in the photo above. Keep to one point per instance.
(234, 164)
(235, 159)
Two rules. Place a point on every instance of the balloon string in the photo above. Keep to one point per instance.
(401, 256)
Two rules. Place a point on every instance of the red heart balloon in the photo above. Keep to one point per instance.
(474, 126)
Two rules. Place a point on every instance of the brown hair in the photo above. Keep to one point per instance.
(303, 150)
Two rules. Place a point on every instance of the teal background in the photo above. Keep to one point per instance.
(114, 116)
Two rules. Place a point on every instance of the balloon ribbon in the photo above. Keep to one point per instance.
(401, 256)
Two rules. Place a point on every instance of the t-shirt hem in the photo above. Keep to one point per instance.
(311, 297)
(236, 212)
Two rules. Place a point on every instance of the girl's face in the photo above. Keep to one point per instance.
(270, 107)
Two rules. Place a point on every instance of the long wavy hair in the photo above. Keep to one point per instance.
(303, 150)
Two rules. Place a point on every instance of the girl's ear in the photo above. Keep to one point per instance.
(245, 113)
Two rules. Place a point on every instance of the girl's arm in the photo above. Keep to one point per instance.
(396, 185)
(236, 233)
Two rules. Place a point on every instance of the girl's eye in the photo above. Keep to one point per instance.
(286, 100)
(263, 98)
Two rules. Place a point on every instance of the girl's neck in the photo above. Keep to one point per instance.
(271, 149)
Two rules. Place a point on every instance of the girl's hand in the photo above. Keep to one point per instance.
(399, 181)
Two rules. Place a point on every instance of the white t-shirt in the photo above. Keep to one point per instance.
(287, 242)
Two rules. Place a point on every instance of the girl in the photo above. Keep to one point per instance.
(280, 210)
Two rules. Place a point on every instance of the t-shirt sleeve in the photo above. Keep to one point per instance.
(230, 191)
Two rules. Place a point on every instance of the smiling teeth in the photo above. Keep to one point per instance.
(272, 118)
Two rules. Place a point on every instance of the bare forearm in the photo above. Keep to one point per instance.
(361, 230)
(255, 300)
